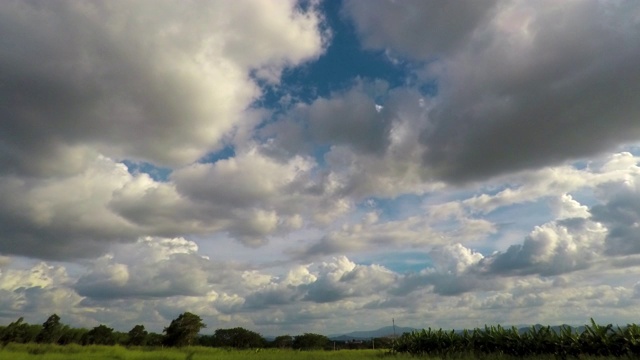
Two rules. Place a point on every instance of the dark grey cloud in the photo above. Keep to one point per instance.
(324, 291)
(20, 239)
(566, 89)
(447, 284)
(70, 79)
(420, 29)
(348, 118)
(520, 85)
(327, 245)
(274, 296)
(620, 213)
(58, 221)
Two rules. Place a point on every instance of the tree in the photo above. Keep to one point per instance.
(183, 330)
(99, 335)
(137, 336)
(310, 341)
(238, 338)
(19, 332)
(71, 335)
(283, 341)
(51, 330)
(120, 337)
(154, 339)
(383, 342)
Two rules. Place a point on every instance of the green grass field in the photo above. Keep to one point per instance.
(94, 352)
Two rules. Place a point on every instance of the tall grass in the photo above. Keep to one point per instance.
(596, 340)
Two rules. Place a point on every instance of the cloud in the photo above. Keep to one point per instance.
(371, 136)
(63, 218)
(454, 272)
(565, 207)
(554, 248)
(80, 216)
(554, 183)
(620, 213)
(163, 82)
(149, 268)
(371, 232)
(520, 85)
(339, 279)
(501, 112)
(322, 297)
(530, 186)
(254, 196)
(561, 246)
(350, 118)
(343, 279)
(417, 29)
(242, 181)
(276, 215)
(454, 259)
(249, 196)
(36, 292)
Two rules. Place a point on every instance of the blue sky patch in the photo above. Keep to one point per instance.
(156, 173)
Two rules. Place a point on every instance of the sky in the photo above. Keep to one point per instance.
(320, 166)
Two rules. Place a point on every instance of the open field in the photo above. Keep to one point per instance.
(95, 352)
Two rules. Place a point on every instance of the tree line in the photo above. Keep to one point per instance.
(183, 331)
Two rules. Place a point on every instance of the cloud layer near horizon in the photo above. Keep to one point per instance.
(146, 168)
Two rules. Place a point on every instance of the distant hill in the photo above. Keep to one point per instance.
(365, 335)
(526, 328)
(387, 331)
(556, 328)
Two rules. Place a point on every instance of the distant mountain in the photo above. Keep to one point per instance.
(388, 331)
(556, 328)
(365, 335)
(522, 329)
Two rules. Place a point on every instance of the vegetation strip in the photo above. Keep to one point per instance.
(181, 339)
(595, 340)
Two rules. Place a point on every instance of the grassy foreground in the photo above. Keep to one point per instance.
(97, 352)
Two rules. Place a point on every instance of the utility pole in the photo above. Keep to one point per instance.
(393, 321)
